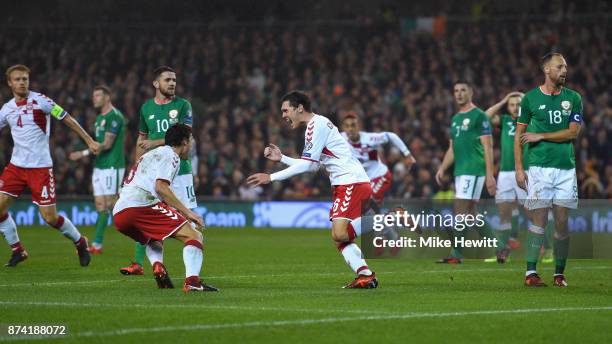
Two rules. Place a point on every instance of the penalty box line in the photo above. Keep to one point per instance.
(303, 322)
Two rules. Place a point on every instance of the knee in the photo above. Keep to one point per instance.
(340, 236)
(51, 219)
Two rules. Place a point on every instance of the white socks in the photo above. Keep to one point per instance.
(193, 257)
(352, 256)
(8, 228)
(155, 251)
(67, 228)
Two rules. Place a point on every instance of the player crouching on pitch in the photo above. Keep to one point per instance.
(149, 212)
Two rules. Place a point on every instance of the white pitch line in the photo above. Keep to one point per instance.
(303, 322)
(184, 306)
(412, 272)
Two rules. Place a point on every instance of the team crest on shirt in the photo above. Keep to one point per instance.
(465, 124)
(29, 106)
(173, 114)
(566, 106)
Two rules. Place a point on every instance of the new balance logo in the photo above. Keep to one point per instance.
(542, 107)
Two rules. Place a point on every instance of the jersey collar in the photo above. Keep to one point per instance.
(549, 94)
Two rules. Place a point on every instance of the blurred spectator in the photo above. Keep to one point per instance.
(235, 78)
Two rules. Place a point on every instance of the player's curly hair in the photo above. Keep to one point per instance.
(177, 135)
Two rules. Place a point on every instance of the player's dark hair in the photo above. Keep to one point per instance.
(546, 58)
(105, 89)
(177, 134)
(19, 67)
(295, 98)
(463, 82)
(159, 70)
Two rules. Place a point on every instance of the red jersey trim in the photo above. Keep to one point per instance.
(309, 159)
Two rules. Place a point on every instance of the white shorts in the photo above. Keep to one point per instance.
(507, 188)
(469, 187)
(107, 181)
(183, 188)
(548, 185)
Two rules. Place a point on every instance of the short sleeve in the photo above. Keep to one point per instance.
(315, 139)
(186, 114)
(114, 125)
(484, 125)
(142, 124)
(577, 110)
(524, 112)
(48, 106)
(168, 167)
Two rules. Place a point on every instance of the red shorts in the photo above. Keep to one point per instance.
(40, 181)
(380, 185)
(153, 222)
(349, 200)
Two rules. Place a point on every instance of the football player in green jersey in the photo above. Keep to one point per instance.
(110, 162)
(550, 117)
(508, 194)
(156, 116)
(471, 151)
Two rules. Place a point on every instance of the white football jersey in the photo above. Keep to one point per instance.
(30, 123)
(323, 143)
(367, 150)
(139, 186)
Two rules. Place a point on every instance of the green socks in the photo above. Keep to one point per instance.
(535, 238)
(503, 234)
(101, 223)
(140, 254)
(515, 226)
(561, 251)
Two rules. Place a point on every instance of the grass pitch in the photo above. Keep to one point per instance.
(285, 286)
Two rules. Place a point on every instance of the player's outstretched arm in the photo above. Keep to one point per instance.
(449, 158)
(162, 187)
(94, 146)
(298, 168)
(396, 141)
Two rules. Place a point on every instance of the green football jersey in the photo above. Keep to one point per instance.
(111, 122)
(546, 113)
(466, 130)
(155, 119)
(508, 130)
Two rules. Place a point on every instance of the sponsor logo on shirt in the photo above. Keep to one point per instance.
(542, 107)
(152, 116)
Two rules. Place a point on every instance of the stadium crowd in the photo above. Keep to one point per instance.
(396, 80)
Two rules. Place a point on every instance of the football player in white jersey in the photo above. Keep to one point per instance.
(28, 115)
(324, 146)
(148, 211)
(365, 147)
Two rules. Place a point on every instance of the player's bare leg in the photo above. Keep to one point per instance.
(192, 257)
(344, 233)
(8, 228)
(65, 226)
(535, 238)
(560, 244)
